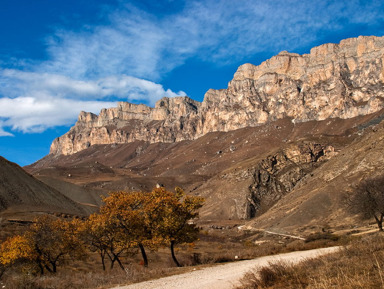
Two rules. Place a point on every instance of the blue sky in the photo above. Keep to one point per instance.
(60, 57)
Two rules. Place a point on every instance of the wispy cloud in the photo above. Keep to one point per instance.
(127, 58)
(34, 115)
(140, 44)
(37, 101)
(2, 132)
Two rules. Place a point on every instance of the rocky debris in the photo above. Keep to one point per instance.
(342, 80)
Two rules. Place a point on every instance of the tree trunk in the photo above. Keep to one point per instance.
(379, 221)
(102, 260)
(121, 265)
(48, 269)
(2, 270)
(173, 254)
(40, 266)
(142, 250)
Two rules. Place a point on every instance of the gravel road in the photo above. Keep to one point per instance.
(224, 276)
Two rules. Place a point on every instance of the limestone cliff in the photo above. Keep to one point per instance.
(335, 80)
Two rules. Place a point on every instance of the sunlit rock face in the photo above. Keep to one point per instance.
(334, 81)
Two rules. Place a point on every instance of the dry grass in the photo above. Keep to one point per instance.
(359, 265)
(214, 247)
(79, 278)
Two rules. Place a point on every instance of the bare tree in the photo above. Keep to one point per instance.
(368, 200)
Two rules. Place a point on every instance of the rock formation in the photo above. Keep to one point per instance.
(333, 81)
(278, 174)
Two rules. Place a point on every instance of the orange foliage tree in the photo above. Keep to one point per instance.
(46, 243)
(128, 209)
(125, 221)
(104, 234)
(156, 218)
(15, 249)
(52, 240)
(173, 214)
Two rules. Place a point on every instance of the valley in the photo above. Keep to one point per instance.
(275, 156)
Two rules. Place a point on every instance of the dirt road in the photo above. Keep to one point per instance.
(224, 276)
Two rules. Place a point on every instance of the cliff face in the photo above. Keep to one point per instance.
(335, 80)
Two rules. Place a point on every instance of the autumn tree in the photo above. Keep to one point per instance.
(172, 214)
(52, 240)
(128, 210)
(104, 234)
(14, 250)
(154, 219)
(368, 200)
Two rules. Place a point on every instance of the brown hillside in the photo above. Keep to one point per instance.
(22, 193)
(220, 166)
(317, 201)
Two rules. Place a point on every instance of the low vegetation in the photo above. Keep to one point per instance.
(127, 221)
(111, 247)
(358, 265)
(368, 200)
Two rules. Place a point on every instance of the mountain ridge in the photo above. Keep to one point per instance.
(342, 80)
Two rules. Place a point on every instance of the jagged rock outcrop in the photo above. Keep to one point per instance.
(278, 174)
(335, 80)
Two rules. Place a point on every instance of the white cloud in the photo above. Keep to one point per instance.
(32, 115)
(39, 101)
(2, 131)
(38, 85)
(142, 45)
(126, 58)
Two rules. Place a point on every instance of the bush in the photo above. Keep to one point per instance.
(322, 236)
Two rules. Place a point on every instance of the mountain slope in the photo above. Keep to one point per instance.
(318, 201)
(241, 173)
(21, 192)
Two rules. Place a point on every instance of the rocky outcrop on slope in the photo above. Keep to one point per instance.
(319, 201)
(335, 80)
(278, 174)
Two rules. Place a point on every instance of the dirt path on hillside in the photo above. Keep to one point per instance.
(224, 276)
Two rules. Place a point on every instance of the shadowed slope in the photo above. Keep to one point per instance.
(21, 192)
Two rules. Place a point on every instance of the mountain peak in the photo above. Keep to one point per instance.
(334, 81)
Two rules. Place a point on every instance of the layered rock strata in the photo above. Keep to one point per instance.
(335, 80)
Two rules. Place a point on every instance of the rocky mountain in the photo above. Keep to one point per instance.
(281, 145)
(22, 193)
(342, 80)
(241, 173)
